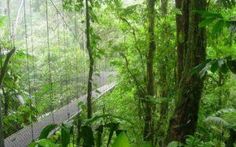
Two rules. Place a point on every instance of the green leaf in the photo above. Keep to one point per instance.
(87, 135)
(121, 141)
(99, 136)
(46, 143)
(66, 131)
(214, 66)
(45, 132)
(232, 65)
(224, 69)
(174, 144)
(2, 20)
(218, 27)
(113, 127)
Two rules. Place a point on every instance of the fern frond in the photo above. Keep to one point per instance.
(217, 121)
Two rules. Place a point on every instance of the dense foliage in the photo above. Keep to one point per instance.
(174, 65)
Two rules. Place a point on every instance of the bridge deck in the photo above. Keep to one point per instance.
(23, 137)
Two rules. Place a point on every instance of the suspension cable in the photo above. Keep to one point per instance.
(76, 55)
(27, 49)
(49, 63)
(67, 76)
(62, 17)
(60, 61)
(33, 67)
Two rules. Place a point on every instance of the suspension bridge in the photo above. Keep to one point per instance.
(25, 136)
(63, 45)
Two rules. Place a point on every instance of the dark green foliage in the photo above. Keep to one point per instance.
(66, 132)
(47, 130)
(87, 136)
(223, 65)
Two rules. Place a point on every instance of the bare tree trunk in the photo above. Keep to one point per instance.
(148, 126)
(91, 62)
(191, 52)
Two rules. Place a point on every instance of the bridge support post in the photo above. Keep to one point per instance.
(1, 126)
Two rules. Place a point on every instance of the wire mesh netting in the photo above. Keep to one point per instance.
(50, 65)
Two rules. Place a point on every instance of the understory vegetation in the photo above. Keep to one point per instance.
(173, 64)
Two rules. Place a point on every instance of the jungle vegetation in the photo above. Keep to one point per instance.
(173, 64)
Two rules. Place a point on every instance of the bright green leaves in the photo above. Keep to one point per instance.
(215, 20)
(43, 143)
(60, 139)
(2, 21)
(121, 141)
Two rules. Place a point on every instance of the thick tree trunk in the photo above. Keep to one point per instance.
(91, 62)
(182, 26)
(191, 52)
(148, 126)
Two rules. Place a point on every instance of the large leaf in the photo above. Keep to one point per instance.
(66, 131)
(44, 143)
(99, 136)
(46, 131)
(87, 135)
(121, 141)
(113, 127)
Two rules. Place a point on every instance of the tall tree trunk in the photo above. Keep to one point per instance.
(163, 73)
(191, 52)
(91, 62)
(148, 126)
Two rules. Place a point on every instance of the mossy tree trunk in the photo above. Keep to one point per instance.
(148, 106)
(164, 72)
(91, 61)
(191, 48)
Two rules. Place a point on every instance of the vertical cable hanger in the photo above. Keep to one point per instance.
(27, 63)
(27, 50)
(60, 61)
(76, 55)
(66, 46)
(33, 67)
(32, 40)
(49, 63)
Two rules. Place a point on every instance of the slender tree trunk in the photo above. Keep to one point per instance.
(91, 62)
(148, 126)
(6, 101)
(163, 70)
(191, 52)
(1, 127)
